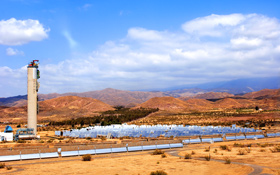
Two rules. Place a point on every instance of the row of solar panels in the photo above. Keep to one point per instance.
(148, 133)
(220, 139)
(152, 131)
(92, 151)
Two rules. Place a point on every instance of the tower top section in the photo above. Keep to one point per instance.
(33, 64)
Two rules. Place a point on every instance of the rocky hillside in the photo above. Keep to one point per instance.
(112, 97)
(265, 93)
(213, 95)
(165, 103)
(60, 108)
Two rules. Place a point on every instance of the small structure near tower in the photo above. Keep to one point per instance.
(33, 74)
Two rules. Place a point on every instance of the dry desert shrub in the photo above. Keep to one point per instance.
(227, 160)
(275, 149)
(248, 149)
(193, 152)
(225, 147)
(21, 141)
(158, 152)
(207, 149)
(208, 158)
(188, 156)
(263, 145)
(86, 157)
(163, 156)
(2, 165)
(158, 172)
(9, 167)
(103, 138)
(238, 145)
(241, 152)
(50, 141)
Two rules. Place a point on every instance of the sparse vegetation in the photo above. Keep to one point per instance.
(238, 145)
(121, 115)
(158, 152)
(163, 156)
(103, 138)
(248, 149)
(188, 156)
(158, 172)
(60, 138)
(275, 149)
(50, 140)
(21, 141)
(263, 145)
(193, 152)
(227, 160)
(2, 165)
(86, 157)
(9, 167)
(207, 149)
(208, 158)
(241, 152)
(225, 147)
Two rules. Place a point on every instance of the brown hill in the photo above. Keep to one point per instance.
(74, 103)
(19, 100)
(199, 104)
(68, 107)
(60, 108)
(213, 95)
(116, 97)
(185, 92)
(112, 97)
(176, 105)
(265, 93)
(227, 103)
(165, 103)
(43, 97)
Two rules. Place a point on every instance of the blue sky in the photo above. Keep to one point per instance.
(134, 45)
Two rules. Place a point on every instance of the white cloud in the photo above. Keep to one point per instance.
(251, 25)
(144, 34)
(213, 25)
(12, 52)
(239, 47)
(18, 32)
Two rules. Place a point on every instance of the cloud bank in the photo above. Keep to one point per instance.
(12, 52)
(18, 32)
(206, 49)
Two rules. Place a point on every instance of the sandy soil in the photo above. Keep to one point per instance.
(132, 165)
(144, 163)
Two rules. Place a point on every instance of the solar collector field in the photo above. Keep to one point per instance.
(153, 131)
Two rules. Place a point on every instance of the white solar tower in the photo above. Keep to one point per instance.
(33, 75)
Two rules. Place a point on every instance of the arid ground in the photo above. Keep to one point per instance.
(256, 160)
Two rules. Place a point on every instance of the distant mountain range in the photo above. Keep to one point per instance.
(69, 107)
(238, 86)
(116, 97)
